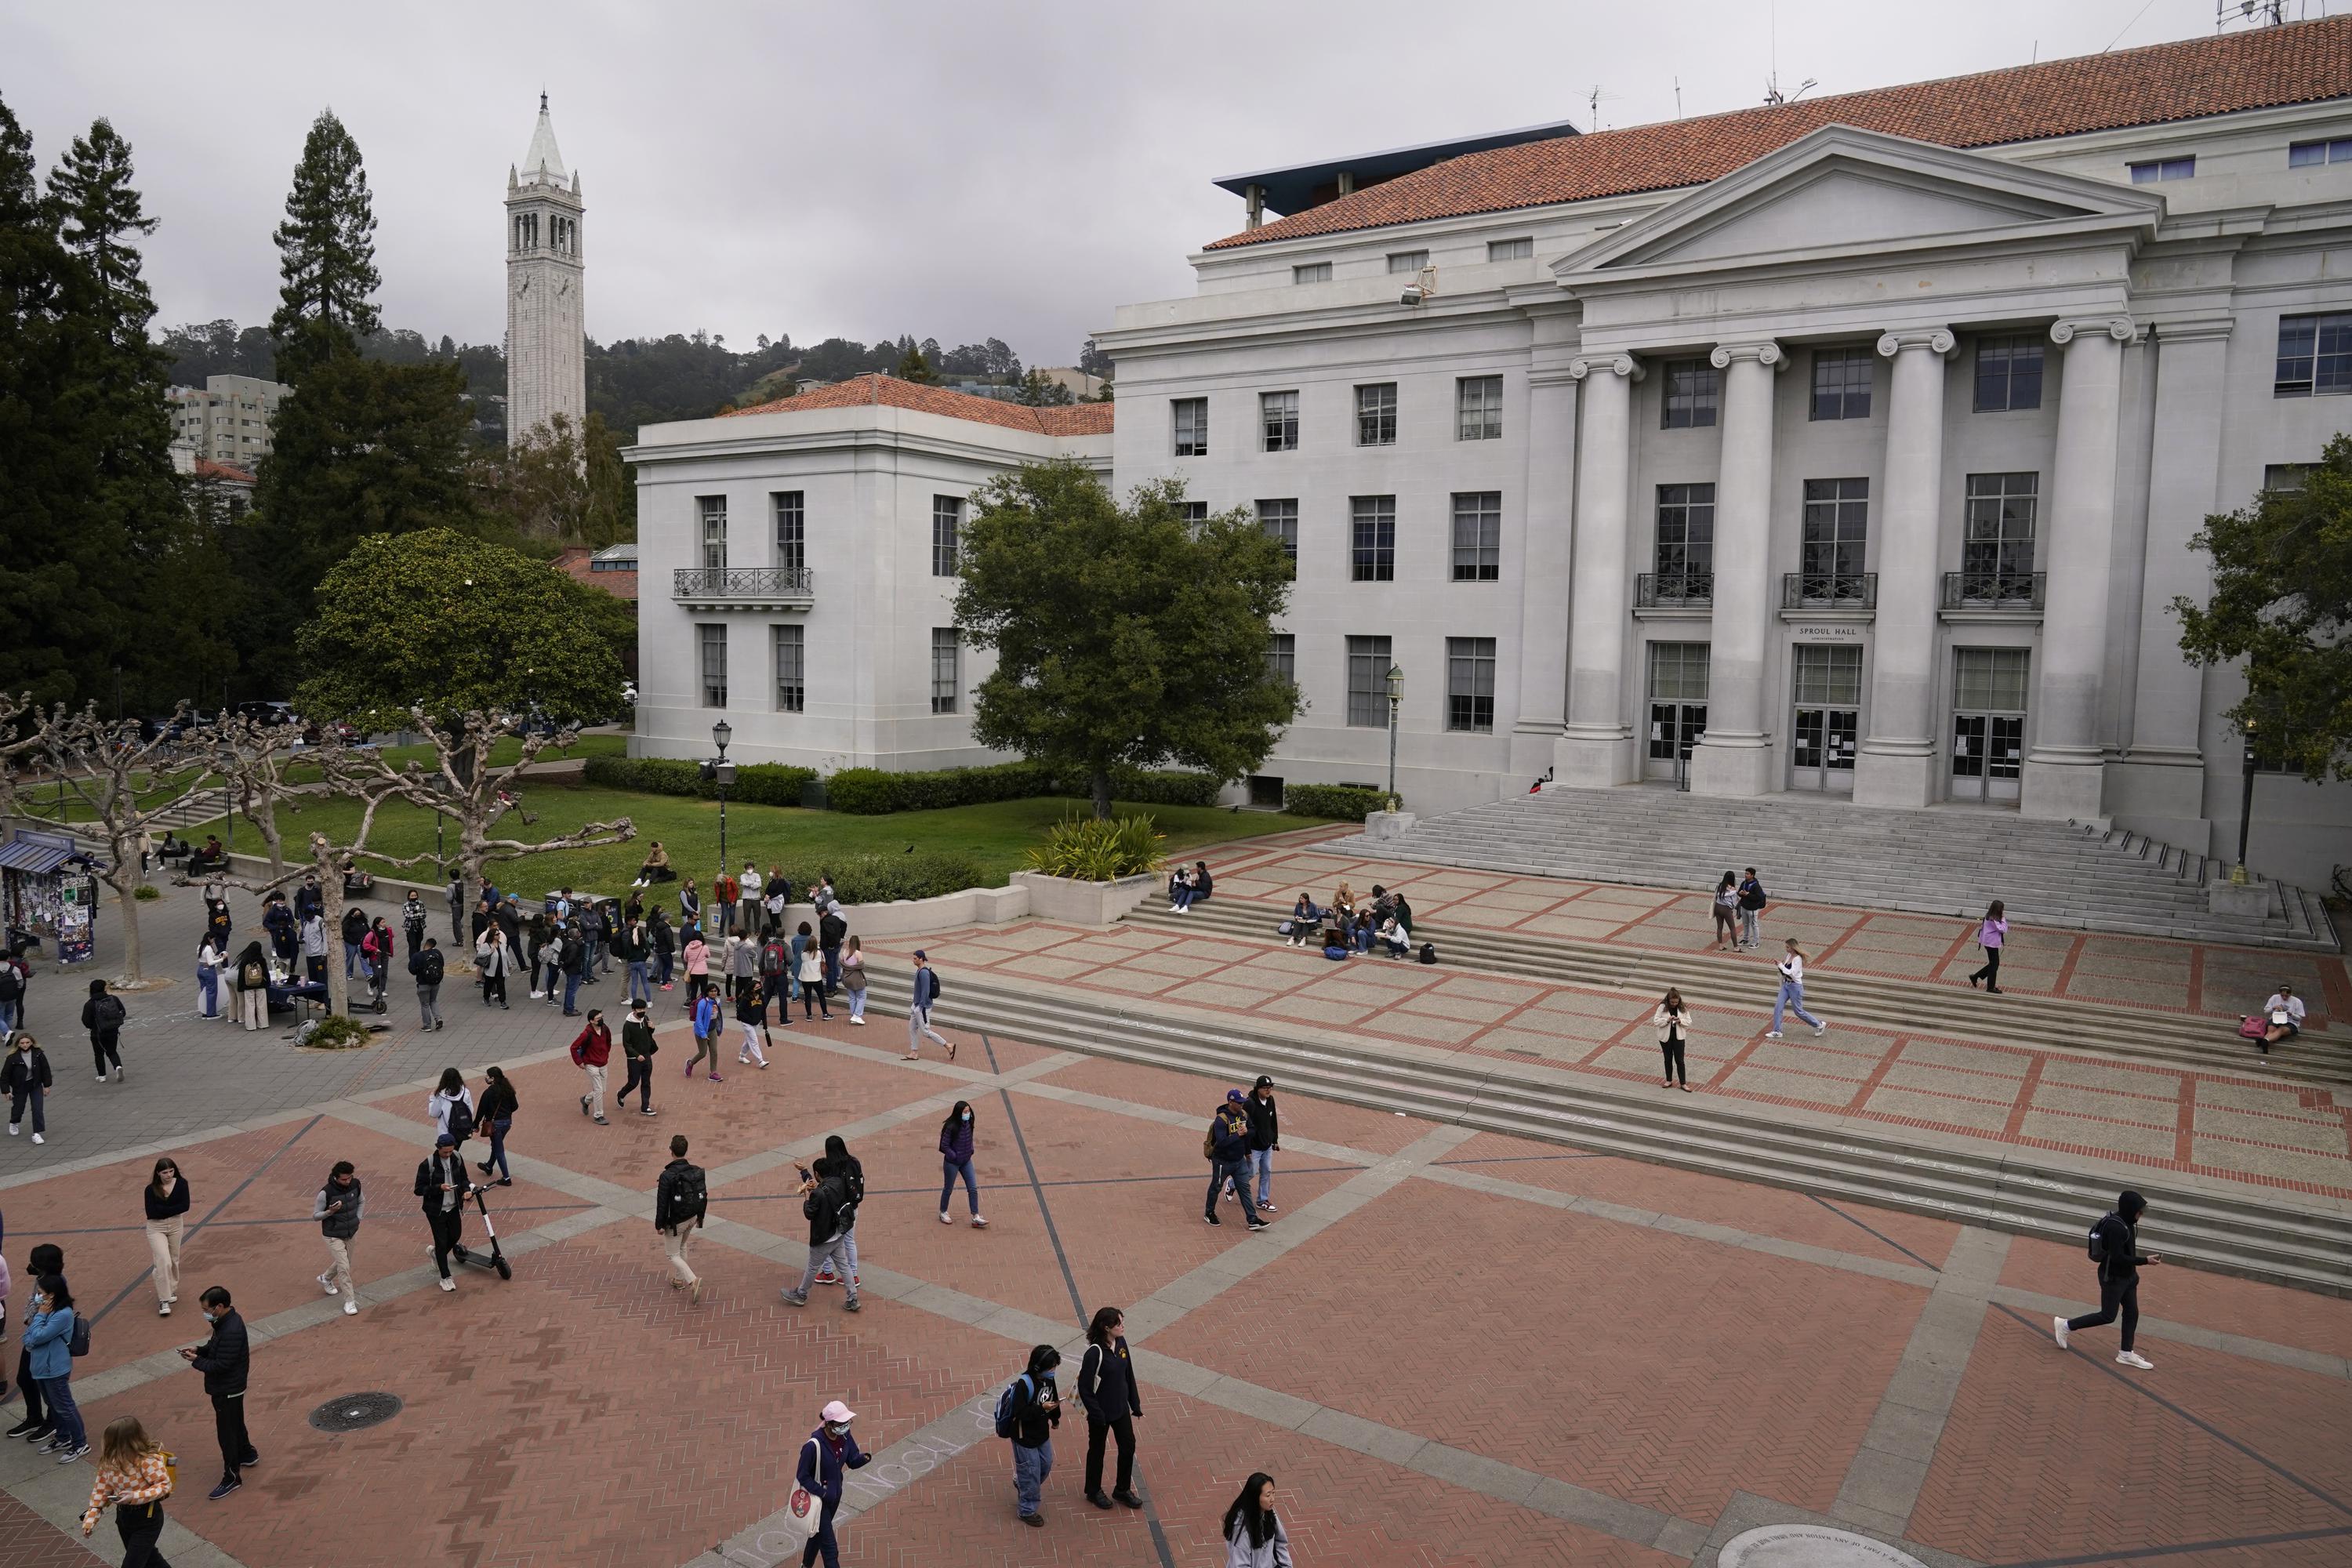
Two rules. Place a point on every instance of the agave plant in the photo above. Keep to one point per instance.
(1093, 849)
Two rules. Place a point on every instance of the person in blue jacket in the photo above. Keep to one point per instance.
(48, 1335)
(830, 1450)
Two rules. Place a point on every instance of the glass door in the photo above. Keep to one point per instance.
(1988, 692)
(1828, 719)
(1677, 689)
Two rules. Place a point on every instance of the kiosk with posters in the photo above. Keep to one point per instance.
(49, 891)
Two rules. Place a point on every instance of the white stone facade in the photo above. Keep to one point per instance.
(227, 420)
(547, 318)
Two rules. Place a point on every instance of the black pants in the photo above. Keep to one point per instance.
(2118, 1297)
(229, 1426)
(142, 1526)
(494, 989)
(449, 1226)
(813, 999)
(30, 1387)
(1096, 1432)
(1237, 1171)
(105, 1046)
(1672, 1049)
(1990, 972)
(641, 1080)
(823, 1540)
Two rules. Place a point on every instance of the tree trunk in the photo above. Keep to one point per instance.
(125, 879)
(330, 884)
(1100, 777)
(266, 821)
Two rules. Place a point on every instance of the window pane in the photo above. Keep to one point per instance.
(2009, 374)
(1678, 671)
(1470, 684)
(1372, 538)
(947, 535)
(1280, 518)
(1835, 534)
(791, 692)
(1408, 260)
(1685, 542)
(1376, 410)
(1311, 272)
(1841, 384)
(2304, 155)
(1693, 390)
(792, 540)
(1278, 413)
(1191, 416)
(946, 673)
(1988, 679)
(714, 666)
(1368, 682)
(1997, 542)
(1479, 403)
(1510, 249)
(713, 512)
(1479, 536)
(1282, 659)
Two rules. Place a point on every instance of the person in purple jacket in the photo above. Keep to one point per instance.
(955, 1155)
(829, 1451)
(1992, 931)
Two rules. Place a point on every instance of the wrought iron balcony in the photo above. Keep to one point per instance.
(745, 587)
(1829, 591)
(1994, 590)
(1674, 590)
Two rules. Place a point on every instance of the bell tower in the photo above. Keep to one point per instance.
(547, 363)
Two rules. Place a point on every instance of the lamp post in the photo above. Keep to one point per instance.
(722, 772)
(1396, 695)
(226, 759)
(2245, 807)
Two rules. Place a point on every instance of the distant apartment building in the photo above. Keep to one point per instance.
(222, 492)
(228, 419)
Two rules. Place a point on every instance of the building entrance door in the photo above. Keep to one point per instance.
(1828, 719)
(1677, 707)
(1989, 688)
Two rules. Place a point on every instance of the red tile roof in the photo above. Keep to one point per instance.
(2304, 62)
(888, 391)
(222, 472)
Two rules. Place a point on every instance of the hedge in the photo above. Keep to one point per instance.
(879, 879)
(870, 792)
(756, 783)
(1347, 803)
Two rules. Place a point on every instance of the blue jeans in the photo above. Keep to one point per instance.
(955, 1168)
(350, 958)
(498, 1159)
(1030, 1469)
(1182, 898)
(8, 1014)
(1792, 999)
(208, 991)
(639, 989)
(571, 991)
(65, 1416)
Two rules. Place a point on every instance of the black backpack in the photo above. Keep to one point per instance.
(689, 1196)
(431, 970)
(11, 985)
(2096, 1247)
(461, 1121)
(110, 1012)
(78, 1337)
(1017, 1396)
(1429, 952)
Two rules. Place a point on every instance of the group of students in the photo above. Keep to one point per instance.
(1350, 926)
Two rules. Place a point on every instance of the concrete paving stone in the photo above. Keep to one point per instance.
(1173, 961)
(1908, 925)
(1878, 942)
(1574, 926)
(1127, 981)
(1525, 1042)
(2317, 1137)
(1364, 1437)
(1566, 1025)
(2152, 1142)
(2140, 990)
(1593, 1004)
(2142, 1109)
(1965, 1058)
(2116, 1077)
(2014, 975)
(1019, 938)
(2171, 968)
(1793, 1055)
(1044, 966)
(1399, 1023)
(1445, 1003)
(1908, 1074)
(2271, 1097)
(1805, 1088)
(1344, 987)
(1645, 1060)
(1312, 1011)
(1522, 902)
(1903, 965)
(1219, 993)
(1949, 1110)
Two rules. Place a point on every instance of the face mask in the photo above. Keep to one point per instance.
(837, 1429)
(967, 1116)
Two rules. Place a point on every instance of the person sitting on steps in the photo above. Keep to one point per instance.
(2284, 1013)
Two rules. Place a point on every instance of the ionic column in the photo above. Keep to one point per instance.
(1897, 765)
(2063, 774)
(1597, 747)
(1544, 571)
(1733, 757)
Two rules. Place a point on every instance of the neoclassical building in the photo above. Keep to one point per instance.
(1849, 446)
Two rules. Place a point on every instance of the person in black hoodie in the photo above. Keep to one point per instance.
(1035, 1410)
(430, 968)
(1107, 1388)
(223, 1359)
(441, 1188)
(853, 1180)
(103, 1017)
(1228, 1150)
(681, 1207)
(1265, 1138)
(2114, 1242)
(830, 1211)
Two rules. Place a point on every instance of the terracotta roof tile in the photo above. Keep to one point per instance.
(875, 390)
(2303, 62)
(206, 469)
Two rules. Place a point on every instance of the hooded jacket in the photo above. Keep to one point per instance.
(2120, 1231)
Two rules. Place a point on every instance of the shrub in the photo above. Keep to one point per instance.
(335, 1032)
(1094, 850)
(756, 783)
(879, 879)
(145, 892)
(1345, 803)
(870, 792)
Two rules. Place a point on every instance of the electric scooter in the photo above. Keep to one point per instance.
(494, 1259)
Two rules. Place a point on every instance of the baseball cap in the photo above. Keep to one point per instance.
(445, 1142)
(837, 1411)
(1235, 1094)
(1263, 1081)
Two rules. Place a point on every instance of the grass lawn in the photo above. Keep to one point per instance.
(997, 835)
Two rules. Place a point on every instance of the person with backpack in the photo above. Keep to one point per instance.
(225, 1358)
(1752, 900)
(831, 1212)
(918, 1016)
(355, 930)
(579, 961)
(1226, 1147)
(775, 974)
(2113, 1246)
(681, 1206)
(1027, 1412)
(250, 979)
(635, 947)
(499, 1104)
(852, 1178)
(1107, 1389)
(637, 1048)
(450, 1106)
(591, 1049)
(103, 1015)
(426, 967)
(47, 1258)
(829, 1451)
(337, 1208)
(665, 947)
(441, 1190)
(49, 1339)
(705, 1006)
(1265, 1138)
(165, 1199)
(1253, 1535)
(810, 973)
(26, 1077)
(494, 958)
(134, 1477)
(832, 931)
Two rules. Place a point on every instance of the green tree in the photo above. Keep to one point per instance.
(326, 253)
(451, 623)
(914, 367)
(562, 485)
(1039, 393)
(1124, 635)
(2282, 604)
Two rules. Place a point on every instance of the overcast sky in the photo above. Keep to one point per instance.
(959, 171)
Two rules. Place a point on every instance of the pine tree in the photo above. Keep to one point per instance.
(914, 367)
(37, 588)
(326, 251)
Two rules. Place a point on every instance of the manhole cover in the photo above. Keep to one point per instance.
(354, 1411)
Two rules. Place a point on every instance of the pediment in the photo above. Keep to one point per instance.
(1840, 189)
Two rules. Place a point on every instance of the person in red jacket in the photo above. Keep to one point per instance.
(590, 1052)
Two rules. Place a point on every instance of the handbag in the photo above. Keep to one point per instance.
(2253, 1029)
(803, 1510)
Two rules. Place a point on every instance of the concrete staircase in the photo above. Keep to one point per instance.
(1945, 861)
(2294, 1240)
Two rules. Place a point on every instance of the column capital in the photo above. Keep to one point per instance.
(1625, 365)
(1764, 351)
(2120, 328)
(1938, 341)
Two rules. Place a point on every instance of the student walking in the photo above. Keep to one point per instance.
(852, 979)
(134, 1477)
(1672, 1019)
(577, 956)
(637, 1048)
(494, 957)
(853, 1180)
(1108, 1391)
(698, 965)
(1227, 1147)
(635, 947)
(752, 1012)
(412, 922)
(377, 951)
(426, 966)
(1992, 931)
(1752, 900)
(314, 948)
(591, 1049)
(47, 1342)
(355, 929)
(1253, 1534)
(2115, 1248)
(450, 1106)
(1725, 905)
(209, 959)
(705, 1029)
(681, 1204)
(225, 1358)
(499, 1104)
(810, 975)
(830, 1450)
(252, 980)
(441, 1189)
(831, 1212)
(1027, 1412)
(1265, 1138)
(665, 944)
(337, 1208)
(1792, 993)
(918, 1016)
(26, 1077)
(165, 1196)
(955, 1158)
(103, 1015)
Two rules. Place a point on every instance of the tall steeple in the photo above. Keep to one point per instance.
(547, 365)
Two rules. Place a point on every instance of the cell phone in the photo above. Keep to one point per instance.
(805, 1174)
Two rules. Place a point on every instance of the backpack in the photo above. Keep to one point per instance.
(78, 1337)
(253, 976)
(690, 1196)
(773, 958)
(109, 1013)
(938, 987)
(1010, 1403)
(1759, 897)
(461, 1121)
(2096, 1247)
(432, 971)
(1429, 952)
(11, 986)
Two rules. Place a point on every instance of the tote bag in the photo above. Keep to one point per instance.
(803, 1510)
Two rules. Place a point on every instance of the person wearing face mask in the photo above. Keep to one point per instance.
(48, 1342)
(441, 1189)
(337, 1209)
(955, 1157)
(26, 1078)
(166, 1195)
(829, 1451)
(224, 1360)
(44, 1260)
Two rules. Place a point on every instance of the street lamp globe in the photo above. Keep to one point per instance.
(720, 733)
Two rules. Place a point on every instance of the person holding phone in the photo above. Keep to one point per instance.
(337, 1209)
(2115, 1245)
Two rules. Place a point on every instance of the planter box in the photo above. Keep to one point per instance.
(1388, 823)
(1084, 903)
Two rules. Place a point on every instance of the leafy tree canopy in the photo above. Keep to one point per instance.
(326, 250)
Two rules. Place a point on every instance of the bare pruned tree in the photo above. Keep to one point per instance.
(251, 760)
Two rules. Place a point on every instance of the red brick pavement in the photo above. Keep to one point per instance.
(2215, 1301)
(1661, 1369)
(28, 1541)
(1359, 1127)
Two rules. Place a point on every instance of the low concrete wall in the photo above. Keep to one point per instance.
(1083, 904)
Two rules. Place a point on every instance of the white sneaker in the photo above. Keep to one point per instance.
(2133, 1358)
(944, 1219)
(327, 1282)
(101, 1078)
(2058, 1327)
(12, 1130)
(448, 1284)
(536, 995)
(1771, 1034)
(350, 1308)
(38, 1139)
(859, 1022)
(1819, 1029)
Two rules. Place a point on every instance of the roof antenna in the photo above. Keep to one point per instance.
(1678, 98)
(1592, 103)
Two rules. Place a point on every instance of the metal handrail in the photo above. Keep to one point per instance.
(1653, 590)
(1851, 590)
(2006, 590)
(743, 583)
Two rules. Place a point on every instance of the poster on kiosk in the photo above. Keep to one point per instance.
(76, 936)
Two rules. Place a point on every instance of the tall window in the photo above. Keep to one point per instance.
(2155, 169)
(1277, 412)
(1311, 272)
(1192, 415)
(1510, 249)
(1685, 542)
(1693, 393)
(1470, 684)
(1282, 659)
(1376, 409)
(1477, 536)
(1841, 384)
(1194, 512)
(947, 669)
(1371, 539)
(1997, 548)
(1990, 679)
(1836, 531)
(792, 692)
(947, 535)
(2009, 374)
(1280, 518)
(713, 510)
(1478, 408)
(1408, 260)
(2315, 355)
(1368, 683)
(714, 665)
(791, 537)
